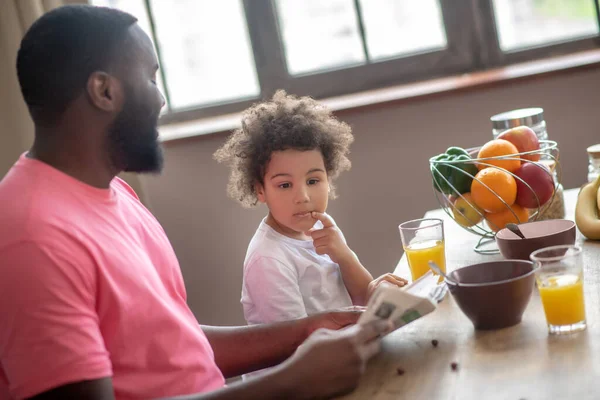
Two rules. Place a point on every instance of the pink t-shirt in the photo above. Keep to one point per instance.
(90, 287)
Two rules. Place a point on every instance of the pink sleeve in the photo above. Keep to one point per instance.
(49, 333)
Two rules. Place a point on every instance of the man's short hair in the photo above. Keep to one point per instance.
(61, 50)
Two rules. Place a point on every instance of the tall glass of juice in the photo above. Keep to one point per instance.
(559, 277)
(423, 241)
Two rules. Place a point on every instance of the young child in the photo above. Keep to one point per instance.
(286, 155)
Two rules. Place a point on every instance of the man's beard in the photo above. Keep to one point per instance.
(133, 141)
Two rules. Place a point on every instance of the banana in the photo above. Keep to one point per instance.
(586, 211)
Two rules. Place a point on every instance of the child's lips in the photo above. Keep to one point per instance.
(303, 214)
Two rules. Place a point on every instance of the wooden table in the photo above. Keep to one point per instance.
(520, 362)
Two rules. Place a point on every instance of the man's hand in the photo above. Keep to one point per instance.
(329, 240)
(335, 319)
(385, 279)
(330, 362)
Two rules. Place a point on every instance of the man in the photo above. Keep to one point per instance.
(92, 301)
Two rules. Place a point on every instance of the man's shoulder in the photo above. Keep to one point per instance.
(39, 232)
(19, 198)
(35, 211)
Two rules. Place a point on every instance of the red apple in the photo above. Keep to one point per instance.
(540, 179)
(524, 139)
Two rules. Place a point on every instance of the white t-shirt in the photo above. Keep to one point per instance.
(285, 279)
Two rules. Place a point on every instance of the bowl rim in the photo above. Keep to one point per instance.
(516, 238)
(495, 282)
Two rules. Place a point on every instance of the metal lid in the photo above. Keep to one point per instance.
(594, 151)
(524, 116)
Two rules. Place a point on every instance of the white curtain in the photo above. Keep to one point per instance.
(16, 128)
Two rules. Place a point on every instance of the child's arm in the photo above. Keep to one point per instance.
(358, 280)
(330, 241)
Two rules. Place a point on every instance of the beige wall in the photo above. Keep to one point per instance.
(388, 183)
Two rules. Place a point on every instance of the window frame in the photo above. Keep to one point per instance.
(472, 46)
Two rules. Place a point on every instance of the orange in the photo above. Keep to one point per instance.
(497, 221)
(491, 186)
(499, 148)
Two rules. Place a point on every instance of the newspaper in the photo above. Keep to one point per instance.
(407, 304)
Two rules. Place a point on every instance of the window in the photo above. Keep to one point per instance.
(221, 56)
(319, 35)
(523, 24)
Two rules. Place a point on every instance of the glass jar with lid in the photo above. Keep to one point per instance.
(594, 162)
(533, 117)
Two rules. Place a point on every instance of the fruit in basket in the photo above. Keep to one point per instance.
(515, 214)
(524, 139)
(454, 168)
(492, 188)
(499, 148)
(542, 185)
(586, 211)
(466, 212)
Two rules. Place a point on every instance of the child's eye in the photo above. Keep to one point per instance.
(313, 181)
(284, 185)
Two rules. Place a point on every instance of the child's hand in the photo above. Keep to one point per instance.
(385, 279)
(329, 240)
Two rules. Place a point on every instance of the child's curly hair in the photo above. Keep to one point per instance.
(285, 122)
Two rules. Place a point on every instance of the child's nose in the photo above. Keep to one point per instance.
(302, 196)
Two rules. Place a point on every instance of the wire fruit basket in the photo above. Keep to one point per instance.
(472, 216)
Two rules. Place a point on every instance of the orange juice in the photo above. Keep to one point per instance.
(562, 298)
(419, 254)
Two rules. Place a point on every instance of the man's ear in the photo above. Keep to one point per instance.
(260, 192)
(105, 92)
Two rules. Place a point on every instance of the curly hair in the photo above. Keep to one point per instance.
(285, 122)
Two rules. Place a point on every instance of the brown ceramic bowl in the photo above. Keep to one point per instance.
(493, 295)
(538, 234)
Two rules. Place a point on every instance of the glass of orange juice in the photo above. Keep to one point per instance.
(423, 240)
(559, 277)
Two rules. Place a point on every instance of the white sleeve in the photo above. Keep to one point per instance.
(274, 289)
